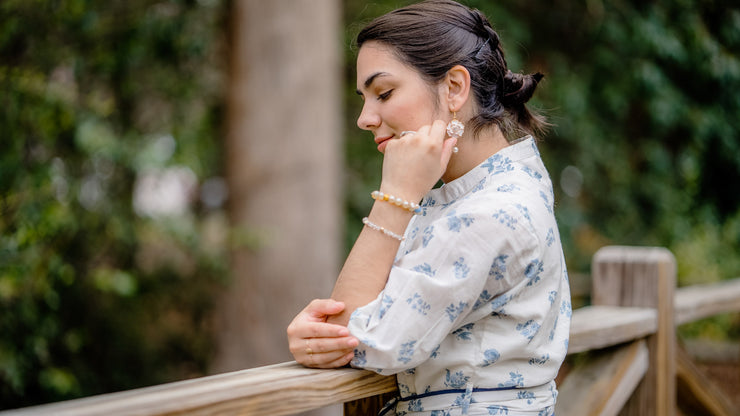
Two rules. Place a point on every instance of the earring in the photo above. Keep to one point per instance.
(455, 129)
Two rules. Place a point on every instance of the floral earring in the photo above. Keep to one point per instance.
(455, 128)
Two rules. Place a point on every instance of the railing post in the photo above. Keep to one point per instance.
(644, 277)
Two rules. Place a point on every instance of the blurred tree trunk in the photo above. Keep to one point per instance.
(283, 170)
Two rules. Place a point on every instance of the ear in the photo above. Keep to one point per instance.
(457, 87)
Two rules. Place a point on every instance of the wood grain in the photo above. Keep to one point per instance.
(644, 277)
(602, 385)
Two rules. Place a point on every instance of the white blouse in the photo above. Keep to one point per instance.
(475, 316)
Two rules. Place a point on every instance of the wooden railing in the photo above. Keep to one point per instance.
(635, 365)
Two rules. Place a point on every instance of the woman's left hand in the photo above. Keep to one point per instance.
(316, 343)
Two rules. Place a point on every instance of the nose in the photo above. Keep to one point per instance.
(368, 118)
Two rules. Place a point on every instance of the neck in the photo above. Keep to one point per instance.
(473, 152)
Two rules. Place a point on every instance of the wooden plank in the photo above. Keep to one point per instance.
(594, 327)
(289, 388)
(643, 277)
(369, 405)
(602, 386)
(697, 393)
(702, 301)
(280, 389)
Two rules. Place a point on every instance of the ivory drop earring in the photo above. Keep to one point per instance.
(455, 128)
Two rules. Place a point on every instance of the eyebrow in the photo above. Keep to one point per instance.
(369, 81)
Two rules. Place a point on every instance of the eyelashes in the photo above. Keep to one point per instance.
(384, 96)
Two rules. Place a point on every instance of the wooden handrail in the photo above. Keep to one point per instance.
(702, 301)
(279, 389)
(289, 388)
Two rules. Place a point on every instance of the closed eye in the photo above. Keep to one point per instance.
(384, 96)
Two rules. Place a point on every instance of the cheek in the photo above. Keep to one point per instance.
(414, 112)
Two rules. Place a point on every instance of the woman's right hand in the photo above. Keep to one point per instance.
(316, 343)
(414, 163)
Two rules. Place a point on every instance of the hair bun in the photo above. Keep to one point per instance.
(518, 88)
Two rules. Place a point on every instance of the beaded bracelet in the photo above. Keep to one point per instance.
(399, 202)
(383, 230)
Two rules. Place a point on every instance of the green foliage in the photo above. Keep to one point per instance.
(95, 94)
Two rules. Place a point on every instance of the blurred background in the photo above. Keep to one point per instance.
(179, 177)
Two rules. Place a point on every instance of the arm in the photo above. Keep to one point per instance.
(411, 167)
(318, 336)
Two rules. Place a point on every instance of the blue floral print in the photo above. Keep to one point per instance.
(435, 352)
(525, 211)
(540, 361)
(479, 186)
(509, 187)
(515, 380)
(461, 269)
(359, 359)
(386, 303)
(490, 356)
(418, 304)
(566, 309)
(415, 406)
(456, 223)
(497, 164)
(534, 174)
(526, 395)
(550, 239)
(548, 204)
(433, 325)
(406, 352)
(425, 268)
(454, 311)
(504, 218)
(483, 298)
(463, 333)
(498, 303)
(456, 380)
(428, 235)
(497, 410)
(498, 268)
(528, 329)
(533, 271)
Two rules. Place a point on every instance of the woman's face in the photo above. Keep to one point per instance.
(396, 98)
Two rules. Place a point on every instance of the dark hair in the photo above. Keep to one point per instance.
(435, 35)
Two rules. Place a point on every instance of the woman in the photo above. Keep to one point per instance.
(465, 297)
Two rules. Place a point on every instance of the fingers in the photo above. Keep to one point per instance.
(332, 359)
(311, 321)
(299, 346)
(447, 150)
(323, 352)
(301, 327)
(435, 132)
(320, 308)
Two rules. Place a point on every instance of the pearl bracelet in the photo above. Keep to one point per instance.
(399, 202)
(383, 230)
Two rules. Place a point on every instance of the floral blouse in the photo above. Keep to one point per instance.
(475, 316)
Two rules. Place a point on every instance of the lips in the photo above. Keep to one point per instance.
(381, 142)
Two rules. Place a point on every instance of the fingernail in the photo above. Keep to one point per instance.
(343, 332)
(353, 342)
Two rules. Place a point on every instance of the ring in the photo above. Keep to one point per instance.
(405, 132)
(309, 351)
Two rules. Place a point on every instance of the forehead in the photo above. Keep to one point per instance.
(376, 59)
